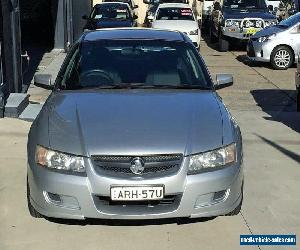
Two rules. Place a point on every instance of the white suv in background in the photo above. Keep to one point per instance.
(177, 17)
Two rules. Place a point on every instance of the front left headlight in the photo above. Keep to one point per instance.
(263, 39)
(270, 23)
(194, 32)
(232, 23)
(58, 160)
(213, 159)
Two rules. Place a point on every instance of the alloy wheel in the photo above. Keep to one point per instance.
(282, 58)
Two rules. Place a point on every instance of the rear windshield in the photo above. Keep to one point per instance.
(108, 11)
(144, 63)
(175, 14)
(120, 1)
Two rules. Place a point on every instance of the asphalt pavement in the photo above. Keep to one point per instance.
(262, 101)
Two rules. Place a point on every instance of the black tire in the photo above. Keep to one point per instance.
(282, 57)
(32, 211)
(212, 37)
(237, 210)
(223, 44)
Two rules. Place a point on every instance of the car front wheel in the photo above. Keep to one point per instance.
(31, 209)
(223, 44)
(282, 58)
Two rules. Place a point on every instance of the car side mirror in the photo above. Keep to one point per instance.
(43, 81)
(135, 16)
(146, 1)
(85, 17)
(135, 6)
(223, 81)
(270, 7)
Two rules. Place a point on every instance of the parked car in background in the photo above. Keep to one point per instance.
(180, 17)
(279, 44)
(152, 7)
(131, 4)
(238, 20)
(114, 142)
(110, 15)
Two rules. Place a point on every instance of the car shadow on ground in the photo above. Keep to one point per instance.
(280, 105)
(104, 222)
(235, 46)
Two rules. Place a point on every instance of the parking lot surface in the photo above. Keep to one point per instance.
(262, 101)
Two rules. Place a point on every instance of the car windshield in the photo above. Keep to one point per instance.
(107, 11)
(245, 4)
(133, 64)
(291, 21)
(175, 14)
(121, 1)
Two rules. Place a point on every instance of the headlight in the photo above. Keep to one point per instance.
(230, 23)
(193, 32)
(59, 161)
(270, 23)
(212, 159)
(259, 24)
(263, 39)
(248, 24)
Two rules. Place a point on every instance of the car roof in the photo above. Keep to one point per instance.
(98, 5)
(117, 1)
(174, 5)
(133, 34)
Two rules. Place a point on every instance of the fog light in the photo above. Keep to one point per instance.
(261, 53)
(61, 200)
(219, 195)
(54, 198)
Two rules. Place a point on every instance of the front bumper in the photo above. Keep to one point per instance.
(81, 194)
(237, 33)
(260, 52)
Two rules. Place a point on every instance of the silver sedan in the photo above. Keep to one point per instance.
(279, 44)
(134, 129)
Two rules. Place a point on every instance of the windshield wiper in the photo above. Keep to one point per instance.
(146, 86)
(167, 86)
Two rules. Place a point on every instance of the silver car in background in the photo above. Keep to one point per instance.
(114, 142)
(279, 44)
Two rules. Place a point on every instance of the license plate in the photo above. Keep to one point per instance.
(251, 31)
(136, 193)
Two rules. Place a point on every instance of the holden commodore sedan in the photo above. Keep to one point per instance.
(114, 142)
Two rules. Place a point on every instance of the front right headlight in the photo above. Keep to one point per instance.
(212, 159)
(57, 160)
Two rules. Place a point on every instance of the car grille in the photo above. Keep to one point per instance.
(167, 200)
(168, 204)
(154, 165)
